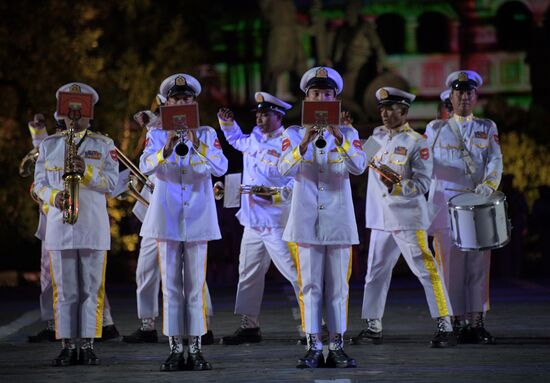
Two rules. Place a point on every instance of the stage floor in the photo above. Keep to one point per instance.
(520, 319)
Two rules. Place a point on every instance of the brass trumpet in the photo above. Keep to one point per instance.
(386, 172)
(219, 190)
(260, 190)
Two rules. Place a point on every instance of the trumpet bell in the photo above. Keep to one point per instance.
(320, 143)
(181, 149)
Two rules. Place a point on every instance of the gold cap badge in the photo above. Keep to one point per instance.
(75, 88)
(321, 72)
(463, 76)
(180, 81)
(259, 98)
(384, 93)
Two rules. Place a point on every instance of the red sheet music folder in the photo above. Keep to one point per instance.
(321, 112)
(77, 101)
(175, 117)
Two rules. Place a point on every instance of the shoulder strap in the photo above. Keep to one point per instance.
(466, 156)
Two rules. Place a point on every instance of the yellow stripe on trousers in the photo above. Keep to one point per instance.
(293, 248)
(100, 300)
(55, 298)
(429, 264)
(347, 281)
(204, 306)
(438, 252)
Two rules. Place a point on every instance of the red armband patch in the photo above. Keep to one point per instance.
(357, 144)
(217, 144)
(424, 153)
(114, 155)
(286, 144)
(425, 136)
(495, 136)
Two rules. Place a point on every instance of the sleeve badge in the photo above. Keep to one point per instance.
(286, 144)
(424, 153)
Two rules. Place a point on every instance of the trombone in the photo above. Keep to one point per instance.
(136, 177)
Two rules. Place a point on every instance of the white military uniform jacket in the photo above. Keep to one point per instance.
(182, 207)
(92, 230)
(261, 152)
(405, 207)
(321, 211)
(480, 137)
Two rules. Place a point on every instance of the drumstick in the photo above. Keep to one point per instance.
(459, 190)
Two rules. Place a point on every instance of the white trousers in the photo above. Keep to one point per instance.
(466, 274)
(324, 271)
(46, 290)
(183, 275)
(258, 248)
(78, 282)
(148, 281)
(384, 250)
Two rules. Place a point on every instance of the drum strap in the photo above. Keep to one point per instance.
(470, 164)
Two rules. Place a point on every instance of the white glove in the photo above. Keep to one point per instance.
(484, 190)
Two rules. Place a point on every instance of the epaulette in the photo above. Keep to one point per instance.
(413, 133)
(485, 121)
(99, 136)
(379, 129)
(55, 135)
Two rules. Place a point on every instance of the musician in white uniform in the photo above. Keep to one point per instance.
(182, 218)
(38, 131)
(397, 214)
(322, 219)
(78, 253)
(467, 156)
(147, 270)
(263, 212)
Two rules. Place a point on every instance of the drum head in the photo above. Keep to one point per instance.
(473, 199)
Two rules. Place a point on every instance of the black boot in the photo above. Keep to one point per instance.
(367, 336)
(243, 335)
(338, 358)
(479, 333)
(67, 357)
(443, 338)
(196, 362)
(45, 335)
(108, 332)
(86, 356)
(207, 338)
(175, 362)
(312, 359)
(140, 336)
(483, 336)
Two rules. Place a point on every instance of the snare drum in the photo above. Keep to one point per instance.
(478, 222)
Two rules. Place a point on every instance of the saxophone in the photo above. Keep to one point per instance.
(71, 178)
